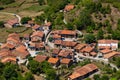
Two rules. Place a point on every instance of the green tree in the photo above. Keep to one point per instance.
(29, 76)
(7, 1)
(1, 24)
(9, 72)
(70, 26)
(90, 38)
(115, 34)
(24, 20)
(100, 34)
(84, 20)
(104, 77)
(34, 66)
(50, 74)
(96, 77)
(41, 2)
(45, 66)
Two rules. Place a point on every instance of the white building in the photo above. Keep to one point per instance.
(111, 44)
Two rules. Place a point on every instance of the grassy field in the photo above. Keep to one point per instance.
(4, 32)
(5, 17)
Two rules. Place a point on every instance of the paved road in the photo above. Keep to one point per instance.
(13, 14)
(98, 59)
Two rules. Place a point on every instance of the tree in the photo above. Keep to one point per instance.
(25, 20)
(100, 34)
(115, 34)
(45, 66)
(84, 20)
(96, 77)
(7, 1)
(29, 76)
(70, 26)
(34, 66)
(1, 24)
(90, 38)
(104, 77)
(50, 74)
(9, 72)
(41, 2)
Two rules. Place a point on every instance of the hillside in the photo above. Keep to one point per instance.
(51, 34)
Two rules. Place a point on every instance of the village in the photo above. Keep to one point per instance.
(58, 47)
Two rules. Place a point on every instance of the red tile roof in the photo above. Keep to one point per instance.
(37, 33)
(40, 58)
(21, 51)
(65, 53)
(69, 7)
(65, 61)
(8, 59)
(56, 51)
(69, 43)
(107, 41)
(35, 26)
(104, 51)
(67, 32)
(12, 22)
(80, 46)
(83, 71)
(58, 42)
(93, 53)
(87, 49)
(53, 60)
(111, 54)
(7, 45)
(55, 36)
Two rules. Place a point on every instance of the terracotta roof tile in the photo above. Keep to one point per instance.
(37, 33)
(8, 59)
(7, 45)
(69, 7)
(35, 26)
(111, 54)
(65, 53)
(104, 51)
(53, 60)
(107, 41)
(80, 46)
(93, 53)
(40, 58)
(57, 42)
(12, 22)
(55, 36)
(69, 43)
(65, 61)
(56, 51)
(67, 32)
(83, 71)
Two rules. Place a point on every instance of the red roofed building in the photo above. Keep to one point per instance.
(40, 58)
(113, 44)
(54, 61)
(55, 52)
(13, 39)
(12, 23)
(68, 33)
(83, 72)
(68, 44)
(69, 7)
(67, 62)
(78, 47)
(37, 36)
(37, 46)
